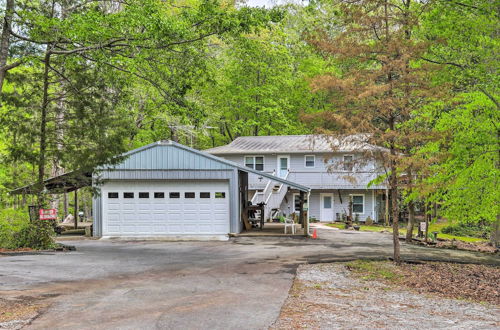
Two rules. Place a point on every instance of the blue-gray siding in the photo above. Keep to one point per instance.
(169, 157)
(169, 162)
(326, 174)
(370, 209)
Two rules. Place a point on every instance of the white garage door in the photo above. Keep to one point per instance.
(145, 208)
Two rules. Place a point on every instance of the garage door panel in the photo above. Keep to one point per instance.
(159, 214)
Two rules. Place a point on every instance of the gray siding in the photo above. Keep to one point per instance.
(338, 207)
(326, 174)
(97, 215)
(169, 157)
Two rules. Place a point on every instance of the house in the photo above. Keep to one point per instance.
(338, 173)
(166, 189)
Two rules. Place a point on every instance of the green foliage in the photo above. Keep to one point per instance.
(37, 235)
(16, 231)
(463, 172)
(12, 221)
(467, 229)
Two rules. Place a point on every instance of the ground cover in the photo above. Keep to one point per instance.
(375, 295)
(433, 227)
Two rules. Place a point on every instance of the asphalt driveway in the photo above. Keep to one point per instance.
(184, 285)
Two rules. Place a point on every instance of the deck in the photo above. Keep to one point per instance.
(271, 230)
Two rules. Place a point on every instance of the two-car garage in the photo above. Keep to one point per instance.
(167, 207)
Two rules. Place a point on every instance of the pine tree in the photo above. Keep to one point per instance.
(382, 80)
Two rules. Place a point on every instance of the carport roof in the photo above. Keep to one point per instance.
(77, 179)
(62, 183)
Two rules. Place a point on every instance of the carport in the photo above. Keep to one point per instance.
(166, 189)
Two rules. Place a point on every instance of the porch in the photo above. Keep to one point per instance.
(272, 229)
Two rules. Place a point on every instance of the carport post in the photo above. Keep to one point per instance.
(76, 209)
(302, 219)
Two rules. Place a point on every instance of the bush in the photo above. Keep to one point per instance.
(16, 231)
(467, 229)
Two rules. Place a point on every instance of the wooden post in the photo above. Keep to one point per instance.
(301, 209)
(306, 219)
(426, 222)
(76, 209)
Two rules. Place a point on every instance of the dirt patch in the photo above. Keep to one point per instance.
(329, 296)
(20, 311)
(478, 283)
(467, 246)
(15, 250)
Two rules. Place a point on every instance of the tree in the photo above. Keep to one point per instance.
(382, 81)
(259, 84)
(462, 163)
(83, 55)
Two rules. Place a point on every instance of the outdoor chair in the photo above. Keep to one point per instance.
(289, 222)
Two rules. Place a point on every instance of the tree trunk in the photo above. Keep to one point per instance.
(43, 130)
(395, 216)
(411, 221)
(495, 232)
(5, 40)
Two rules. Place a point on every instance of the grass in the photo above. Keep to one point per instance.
(402, 231)
(374, 270)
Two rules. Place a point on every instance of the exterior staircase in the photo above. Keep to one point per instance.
(272, 196)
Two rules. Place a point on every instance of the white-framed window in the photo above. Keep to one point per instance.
(255, 162)
(348, 163)
(296, 202)
(358, 204)
(310, 160)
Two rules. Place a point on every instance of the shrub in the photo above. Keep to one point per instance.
(467, 229)
(369, 221)
(16, 231)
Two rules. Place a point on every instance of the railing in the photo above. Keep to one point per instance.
(274, 198)
(263, 193)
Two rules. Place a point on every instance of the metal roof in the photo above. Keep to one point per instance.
(66, 182)
(238, 166)
(294, 144)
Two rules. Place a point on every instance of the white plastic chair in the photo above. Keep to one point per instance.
(290, 223)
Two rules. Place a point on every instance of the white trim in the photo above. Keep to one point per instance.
(374, 217)
(307, 202)
(278, 167)
(364, 203)
(254, 163)
(305, 161)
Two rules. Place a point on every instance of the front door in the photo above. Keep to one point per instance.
(283, 165)
(326, 205)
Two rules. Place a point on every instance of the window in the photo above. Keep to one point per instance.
(159, 195)
(128, 195)
(220, 195)
(358, 204)
(189, 195)
(310, 160)
(348, 163)
(204, 195)
(255, 162)
(174, 195)
(143, 195)
(296, 202)
(112, 195)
